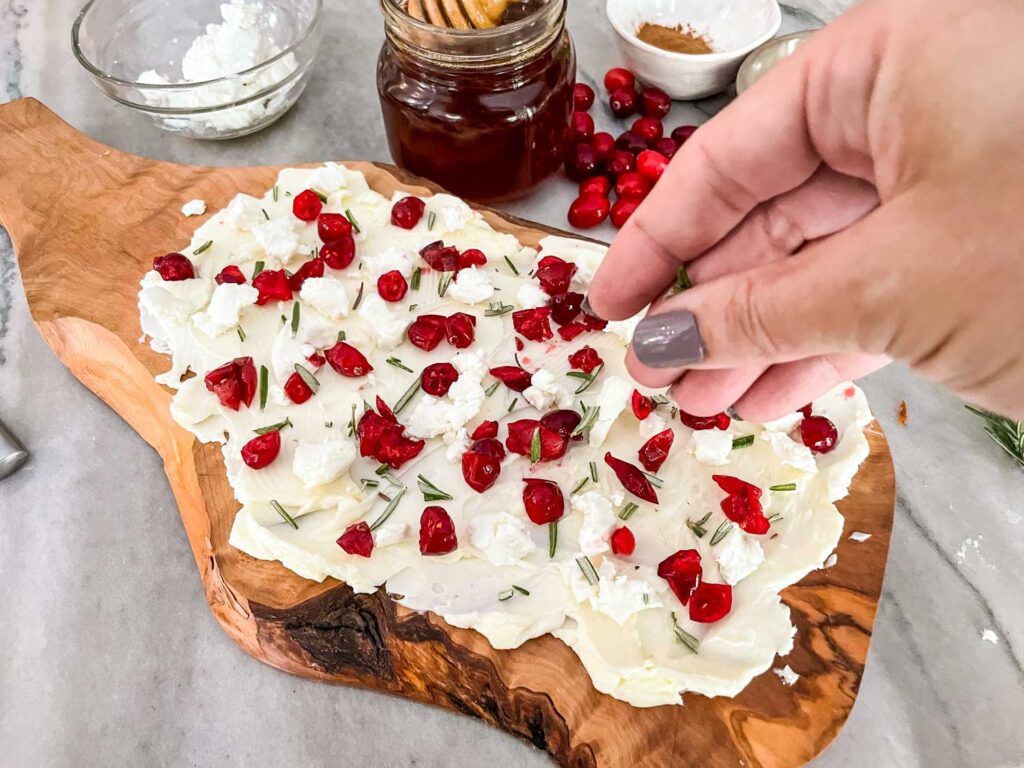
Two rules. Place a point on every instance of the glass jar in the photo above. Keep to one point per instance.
(483, 113)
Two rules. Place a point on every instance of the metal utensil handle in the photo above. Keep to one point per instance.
(12, 453)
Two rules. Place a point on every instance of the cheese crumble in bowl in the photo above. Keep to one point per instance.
(202, 69)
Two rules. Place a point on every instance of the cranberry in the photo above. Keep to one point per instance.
(805, 410)
(682, 571)
(426, 331)
(682, 133)
(710, 602)
(513, 377)
(261, 451)
(480, 470)
(596, 185)
(650, 128)
(651, 164)
(654, 452)
(819, 434)
(437, 532)
(642, 406)
(585, 359)
(618, 162)
(594, 323)
(654, 102)
(391, 286)
(440, 257)
(623, 542)
(622, 210)
(230, 274)
(486, 430)
(742, 504)
(665, 146)
(519, 344)
(385, 411)
(297, 389)
(580, 162)
(603, 143)
(174, 267)
(333, 227)
(565, 307)
(312, 268)
(520, 439)
(588, 211)
(623, 102)
(489, 446)
(233, 383)
(581, 127)
(632, 142)
(438, 378)
(381, 437)
(718, 421)
(272, 285)
(357, 540)
(347, 360)
(407, 212)
(339, 254)
(460, 329)
(533, 323)
(582, 97)
(563, 422)
(571, 330)
(472, 257)
(617, 78)
(632, 184)
(317, 360)
(543, 501)
(632, 479)
(554, 275)
(307, 205)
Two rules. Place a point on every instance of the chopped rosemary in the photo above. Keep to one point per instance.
(589, 572)
(296, 310)
(284, 515)
(590, 415)
(512, 404)
(496, 308)
(409, 394)
(1006, 433)
(535, 447)
(241, 333)
(352, 220)
(412, 307)
(274, 427)
(723, 530)
(257, 268)
(656, 481)
(387, 510)
(321, 195)
(359, 297)
(276, 192)
(341, 335)
(417, 275)
(511, 266)
(490, 390)
(398, 364)
(580, 484)
(264, 386)
(775, 518)
(202, 248)
(552, 538)
(698, 527)
(521, 590)
(382, 470)
(506, 595)
(266, 215)
(328, 424)
(682, 282)
(783, 487)
(431, 218)
(593, 471)
(368, 483)
(352, 422)
(647, 599)
(590, 379)
(742, 442)
(430, 491)
(628, 510)
(683, 636)
(446, 280)
(660, 399)
(307, 377)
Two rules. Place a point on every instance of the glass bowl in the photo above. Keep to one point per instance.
(201, 69)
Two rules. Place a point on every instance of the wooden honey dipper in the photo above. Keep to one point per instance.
(459, 14)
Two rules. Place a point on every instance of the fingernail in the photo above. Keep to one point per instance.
(585, 306)
(668, 340)
(733, 413)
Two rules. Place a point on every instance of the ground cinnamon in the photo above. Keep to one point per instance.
(677, 39)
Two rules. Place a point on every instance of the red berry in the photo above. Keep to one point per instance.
(317, 360)
(437, 532)
(297, 389)
(623, 102)
(272, 285)
(520, 439)
(391, 286)
(312, 268)
(632, 142)
(651, 164)
(438, 378)
(654, 102)
(347, 360)
(618, 162)
(623, 541)
(581, 127)
(718, 421)
(582, 97)
(564, 422)
(588, 211)
(233, 383)
(571, 330)
(622, 210)
(585, 359)
(806, 410)
(617, 78)
(819, 434)
(533, 323)
(580, 161)
(642, 406)
(632, 479)
(230, 274)
(513, 377)
(710, 602)
(441, 257)
(742, 504)
(460, 330)
(654, 452)
(682, 571)
(307, 205)
(339, 254)
(381, 437)
(480, 470)
(261, 451)
(486, 430)
(603, 143)
(385, 411)
(407, 212)
(554, 274)
(596, 185)
(650, 128)
(174, 267)
(357, 540)
(682, 133)
(665, 146)
(333, 227)
(472, 257)
(565, 307)
(543, 501)
(489, 446)
(427, 331)
(632, 184)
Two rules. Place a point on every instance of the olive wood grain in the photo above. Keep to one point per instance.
(86, 221)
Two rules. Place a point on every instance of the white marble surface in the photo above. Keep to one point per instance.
(110, 656)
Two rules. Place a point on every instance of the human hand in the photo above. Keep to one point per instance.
(842, 212)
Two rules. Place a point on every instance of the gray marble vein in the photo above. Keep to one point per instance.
(111, 657)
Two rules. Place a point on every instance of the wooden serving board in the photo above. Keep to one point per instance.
(86, 221)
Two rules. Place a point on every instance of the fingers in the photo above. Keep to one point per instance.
(705, 393)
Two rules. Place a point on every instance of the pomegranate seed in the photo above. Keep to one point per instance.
(563, 422)
(582, 97)
(632, 184)
(339, 254)
(487, 429)
(632, 142)
(581, 127)
(233, 383)
(710, 602)
(480, 470)
(520, 439)
(437, 532)
(571, 330)
(489, 446)
(642, 406)
(312, 268)
(580, 161)
(513, 377)
(472, 257)
(585, 359)
(533, 323)
(742, 504)
(565, 307)
(617, 78)
(588, 211)
(623, 102)
(651, 164)
(618, 162)
(307, 205)
(261, 451)
(460, 329)
(173, 267)
(391, 286)
(596, 185)
(347, 360)
(623, 542)
(654, 452)
(543, 501)
(682, 571)
(554, 275)
(333, 227)
(622, 210)
(426, 332)
(819, 434)
(357, 540)
(682, 133)
(438, 378)
(297, 389)
(632, 479)
(718, 421)
(407, 212)
(230, 274)
(272, 285)
(603, 143)
(654, 102)
(650, 128)
(665, 146)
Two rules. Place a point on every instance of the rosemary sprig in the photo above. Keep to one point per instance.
(408, 396)
(431, 218)
(656, 481)
(202, 248)
(307, 377)
(352, 422)
(417, 275)
(359, 297)
(589, 572)
(266, 216)
(274, 427)
(241, 333)
(341, 335)
(512, 405)
(264, 386)
(490, 390)
(352, 220)
(590, 415)
(521, 590)
(552, 538)
(430, 491)
(535, 447)
(257, 268)
(1006, 433)
(446, 280)
(506, 595)
(496, 308)
(698, 527)
(296, 311)
(276, 192)
(512, 266)
(284, 515)
(387, 510)
(628, 511)
(744, 441)
(398, 364)
(321, 195)
(682, 282)
(382, 470)
(588, 378)
(683, 636)
(783, 487)
(580, 484)
(723, 530)
(593, 471)
(368, 483)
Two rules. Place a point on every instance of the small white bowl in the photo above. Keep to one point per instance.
(733, 27)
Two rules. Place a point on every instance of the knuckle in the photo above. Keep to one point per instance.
(782, 233)
(749, 320)
(726, 189)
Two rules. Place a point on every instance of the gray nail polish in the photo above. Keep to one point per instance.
(585, 306)
(668, 340)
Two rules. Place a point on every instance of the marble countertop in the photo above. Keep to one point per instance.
(112, 658)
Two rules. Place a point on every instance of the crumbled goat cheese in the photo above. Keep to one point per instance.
(226, 304)
(387, 327)
(390, 533)
(598, 521)
(612, 400)
(546, 392)
(194, 208)
(737, 556)
(791, 452)
(320, 463)
(327, 296)
(470, 286)
(501, 537)
(787, 675)
(653, 425)
(393, 259)
(278, 238)
(531, 296)
(624, 329)
(859, 536)
(711, 446)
